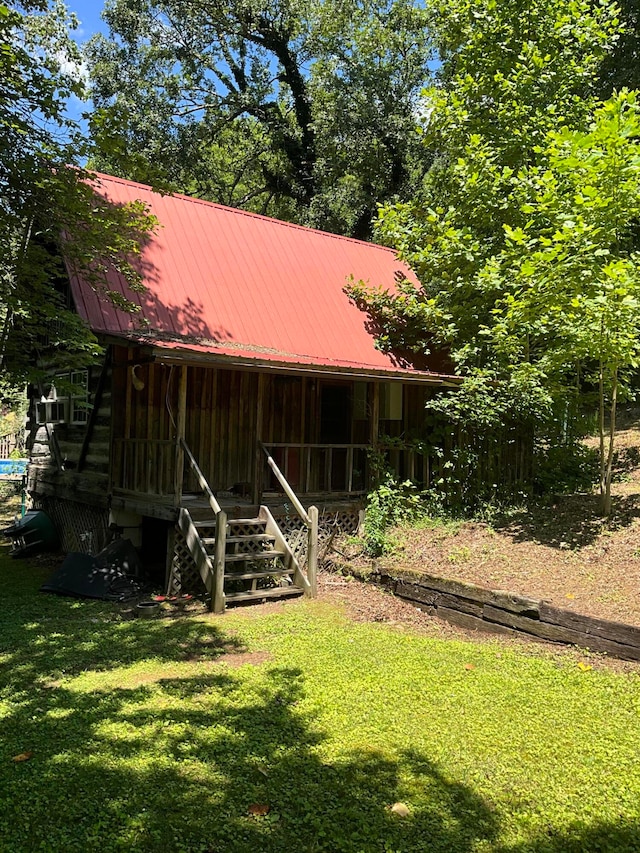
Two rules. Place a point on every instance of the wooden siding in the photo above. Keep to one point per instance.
(133, 445)
(221, 425)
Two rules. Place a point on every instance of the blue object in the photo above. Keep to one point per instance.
(13, 467)
(32, 533)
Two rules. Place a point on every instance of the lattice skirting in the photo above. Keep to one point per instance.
(329, 525)
(184, 576)
(80, 527)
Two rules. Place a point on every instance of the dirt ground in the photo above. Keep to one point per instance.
(561, 551)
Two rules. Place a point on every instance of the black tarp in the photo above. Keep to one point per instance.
(111, 575)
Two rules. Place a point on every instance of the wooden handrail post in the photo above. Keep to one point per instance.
(312, 552)
(286, 487)
(180, 435)
(217, 597)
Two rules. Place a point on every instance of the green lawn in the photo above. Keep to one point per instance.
(146, 735)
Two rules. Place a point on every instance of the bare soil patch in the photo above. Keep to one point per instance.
(560, 550)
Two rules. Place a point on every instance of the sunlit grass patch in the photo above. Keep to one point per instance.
(296, 729)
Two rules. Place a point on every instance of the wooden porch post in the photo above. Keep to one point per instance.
(217, 593)
(312, 551)
(258, 459)
(181, 424)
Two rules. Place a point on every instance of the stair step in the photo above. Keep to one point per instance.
(259, 555)
(247, 576)
(231, 522)
(259, 594)
(233, 540)
(252, 537)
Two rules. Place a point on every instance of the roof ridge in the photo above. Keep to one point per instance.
(103, 176)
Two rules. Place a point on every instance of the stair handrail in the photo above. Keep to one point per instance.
(217, 582)
(310, 520)
(286, 487)
(202, 480)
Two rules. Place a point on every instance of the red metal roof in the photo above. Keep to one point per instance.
(242, 286)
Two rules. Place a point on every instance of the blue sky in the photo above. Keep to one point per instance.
(88, 12)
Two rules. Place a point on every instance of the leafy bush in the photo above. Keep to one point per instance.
(566, 468)
(390, 504)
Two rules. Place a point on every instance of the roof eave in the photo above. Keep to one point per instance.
(237, 362)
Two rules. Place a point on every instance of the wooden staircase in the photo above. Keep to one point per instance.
(254, 567)
(247, 559)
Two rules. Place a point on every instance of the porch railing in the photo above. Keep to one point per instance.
(310, 520)
(321, 468)
(145, 465)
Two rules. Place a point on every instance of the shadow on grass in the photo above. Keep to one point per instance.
(571, 522)
(180, 761)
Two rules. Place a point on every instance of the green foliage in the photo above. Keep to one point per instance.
(390, 504)
(292, 108)
(523, 234)
(621, 67)
(568, 276)
(512, 73)
(160, 734)
(44, 200)
(565, 468)
(569, 281)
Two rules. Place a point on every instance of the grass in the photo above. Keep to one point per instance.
(161, 735)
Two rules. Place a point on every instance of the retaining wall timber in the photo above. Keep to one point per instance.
(478, 608)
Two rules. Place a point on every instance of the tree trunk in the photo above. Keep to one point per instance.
(601, 429)
(606, 498)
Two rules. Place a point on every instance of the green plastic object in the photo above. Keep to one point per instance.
(32, 533)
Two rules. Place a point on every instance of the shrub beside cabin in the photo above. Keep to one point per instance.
(251, 391)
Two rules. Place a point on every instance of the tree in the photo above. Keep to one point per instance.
(513, 73)
(297, 109)
(621, 67)
(570, 278)
(45, 198)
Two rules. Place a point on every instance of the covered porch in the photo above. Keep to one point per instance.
(235, 423)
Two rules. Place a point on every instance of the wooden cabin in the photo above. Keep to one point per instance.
(240, 415)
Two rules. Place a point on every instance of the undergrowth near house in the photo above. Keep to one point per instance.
(556, 547)
(293, 728)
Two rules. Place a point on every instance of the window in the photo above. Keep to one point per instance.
(51, 412)
(67, 400)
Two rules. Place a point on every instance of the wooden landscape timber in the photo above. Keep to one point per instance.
(497, 611)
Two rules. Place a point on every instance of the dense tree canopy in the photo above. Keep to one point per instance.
(304, 110)
(45, 196)
(621, 66)
(512, 72)
(527, 314)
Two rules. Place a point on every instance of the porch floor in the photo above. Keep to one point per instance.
(163, 506)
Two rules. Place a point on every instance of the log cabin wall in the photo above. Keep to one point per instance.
(221, 426)
(71, 460)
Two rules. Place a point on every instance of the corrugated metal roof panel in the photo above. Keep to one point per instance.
(226, 280)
